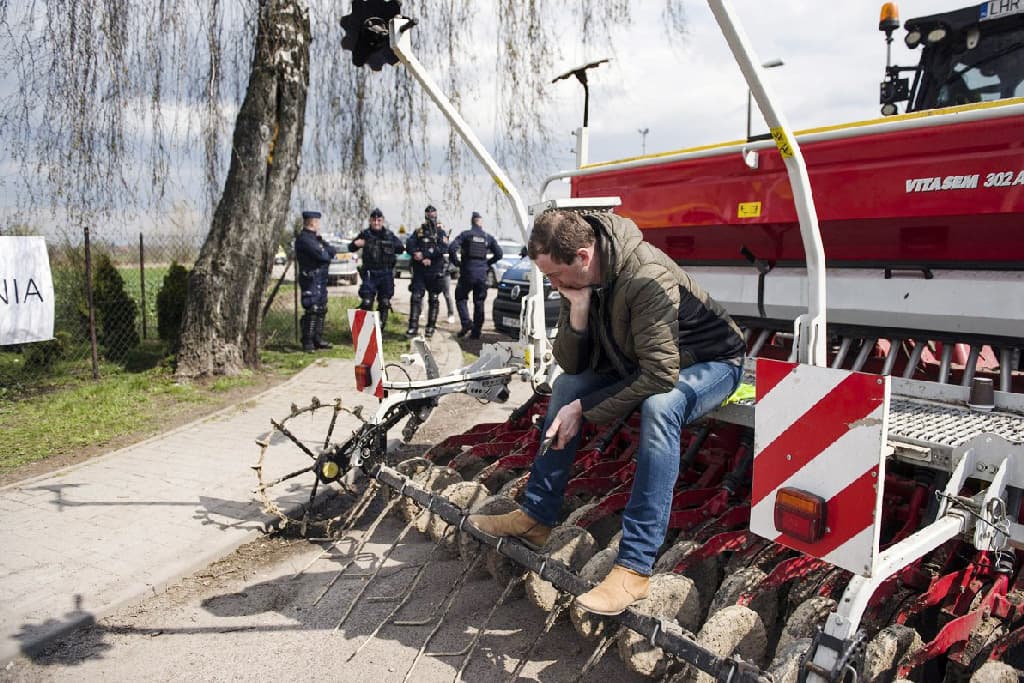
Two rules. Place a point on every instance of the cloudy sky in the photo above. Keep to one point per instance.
(692, 93)
(833, 54)
(685, 92)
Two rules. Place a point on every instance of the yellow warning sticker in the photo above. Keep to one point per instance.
(779, 135)
(748, 210)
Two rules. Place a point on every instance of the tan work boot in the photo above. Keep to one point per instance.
(620, 589)
(516, 523)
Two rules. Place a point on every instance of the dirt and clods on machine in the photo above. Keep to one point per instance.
(855, 515)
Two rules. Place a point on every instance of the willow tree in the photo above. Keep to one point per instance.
(115, 109)
(220, 329)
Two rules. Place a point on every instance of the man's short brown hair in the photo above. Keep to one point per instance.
(559, 234)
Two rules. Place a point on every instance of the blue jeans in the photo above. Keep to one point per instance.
(701, 388)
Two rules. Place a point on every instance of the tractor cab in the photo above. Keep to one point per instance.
(973, 54)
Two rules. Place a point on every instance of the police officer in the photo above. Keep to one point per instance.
(380, 246)
(469, 252)
(313, 256)
(427, 247)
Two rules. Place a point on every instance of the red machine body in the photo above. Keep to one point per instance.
(927, 190)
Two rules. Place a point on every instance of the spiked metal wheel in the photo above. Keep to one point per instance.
(304, 437)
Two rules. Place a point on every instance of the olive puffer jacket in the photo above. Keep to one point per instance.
(647, 320)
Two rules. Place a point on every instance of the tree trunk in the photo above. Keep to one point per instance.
(221, 326)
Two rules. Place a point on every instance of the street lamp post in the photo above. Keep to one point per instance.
(583, 137)
(643, 139)
(770, 64)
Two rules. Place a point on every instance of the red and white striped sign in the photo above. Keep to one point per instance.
(366, 337)
(822, 431)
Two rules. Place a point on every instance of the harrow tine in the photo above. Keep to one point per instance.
(599, 652)
(513, 582)
(360, 507)
(355, 513)
(286, 477)
(380, 566)
(334, 421)
(560, 606)
(359, 546)
(309, 506)
(453, 593)
(395, 572)
(279, 426)
(405, 599)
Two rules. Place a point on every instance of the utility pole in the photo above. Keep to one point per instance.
(643, 139)
(770, 64)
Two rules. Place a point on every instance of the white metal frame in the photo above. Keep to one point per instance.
(987, 458)
(535, 332)
(485, 380)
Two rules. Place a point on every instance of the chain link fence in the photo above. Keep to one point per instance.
(130, 315)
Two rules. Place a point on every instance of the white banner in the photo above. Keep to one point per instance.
(26, 291)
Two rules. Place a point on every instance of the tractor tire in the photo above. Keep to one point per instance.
(996, 672)
(804, 621)
(785, 668)
(885, 651)
(805, 588)
(706, 576)
(410, 468)
(513, 486)
(464, 494)
(435, 480)
(605, 529)
(588, 624)
(573, 517)
(672, 597)
(733, 630)
(745, 580)
(572, 546)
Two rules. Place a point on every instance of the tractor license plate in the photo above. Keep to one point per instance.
(995, 8)
(510, 322)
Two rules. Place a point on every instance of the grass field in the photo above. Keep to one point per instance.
(60, 412)
(132, 285)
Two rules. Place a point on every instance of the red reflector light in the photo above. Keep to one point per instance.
(800, 514)
(363, 378)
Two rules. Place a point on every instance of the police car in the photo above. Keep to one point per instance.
(512, 253)
(514, 285)
(345, 265)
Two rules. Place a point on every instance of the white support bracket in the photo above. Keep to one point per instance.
(844, 622)
(986, 457)
(486, 379)
(401, 44)
(810, 328)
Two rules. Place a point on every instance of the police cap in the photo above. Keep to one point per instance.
(310, 214)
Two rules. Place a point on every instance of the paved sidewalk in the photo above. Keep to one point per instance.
(85, 540)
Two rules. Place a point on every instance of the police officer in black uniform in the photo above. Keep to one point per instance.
(427, 247)
(313, 256)
(469, 252)
(380, 246)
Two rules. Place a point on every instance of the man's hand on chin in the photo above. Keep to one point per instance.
(576, 297)
(579, 306)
